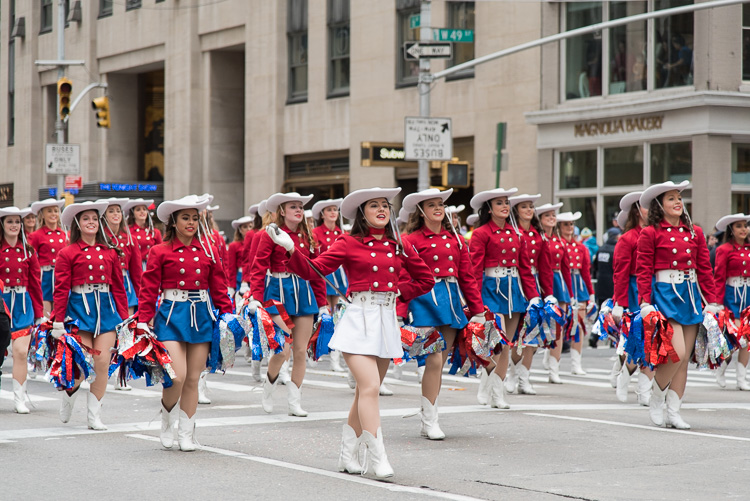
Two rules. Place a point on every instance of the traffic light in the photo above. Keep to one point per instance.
(101, 106)
(64, 89)
(69, 198)
(455, 174)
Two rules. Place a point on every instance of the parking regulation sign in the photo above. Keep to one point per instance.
(62, 159)
(428, 138)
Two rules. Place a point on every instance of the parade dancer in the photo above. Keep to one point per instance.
(142, 226)
(259, 222)
(732, 282)
(326, 231)
(532, 234)
(674, 270)
(301, 298)
(22, 293)
(116, 229)
(368, 333)
(89, 288)
(29, 223)
(435, 240)
(562, 285)
(631, 219)
(190, 278)
(235, 254)
(582, 294)
(501, 262)
(48, 241)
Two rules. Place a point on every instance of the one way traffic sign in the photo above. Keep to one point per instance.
(413, 51)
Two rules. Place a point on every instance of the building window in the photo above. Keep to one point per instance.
(46, 16)
(105, 8)
(297, 48)
(746, 42)
(671, 162)
(618, 60)
(623, 166)
(407, 72)
(578, 170)
(338, 48)
(461, 16)
(132, 4)
(12, 79)
(741, 164)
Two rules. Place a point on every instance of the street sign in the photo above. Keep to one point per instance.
(62, 158)
(451, 35)
(73, 182)
(414, 21)
(428, 138)
(431, 50)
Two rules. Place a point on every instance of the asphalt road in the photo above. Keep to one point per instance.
(570, 441)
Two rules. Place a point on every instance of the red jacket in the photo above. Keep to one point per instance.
(15, 270)
(326, 237)
(145, 239)
(539, 257)
(79, 264)
(251, 248)
(131, 258)
(493, 246)
(579, 259)
(667, 247)
(173, 265)
(624, 265)
(732, 260)
(48, 244)
(559, 260)
(235, 258)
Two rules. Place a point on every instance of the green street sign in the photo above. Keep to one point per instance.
(414, 21)
(451, 35)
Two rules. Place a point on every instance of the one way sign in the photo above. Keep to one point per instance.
(413, 51)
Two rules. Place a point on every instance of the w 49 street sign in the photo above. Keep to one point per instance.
(414, 51)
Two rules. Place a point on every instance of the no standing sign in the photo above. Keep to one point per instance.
(428, 138)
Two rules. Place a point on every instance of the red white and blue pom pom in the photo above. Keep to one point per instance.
(711, 348)
(634, 346)
(420, 341)
(605, 325)
(229, 331)
(477, 342)
(41, 348)
(139, 354)
(265, 338)
(322, 334)
(657, 340)
(537, 328)
(72, 359)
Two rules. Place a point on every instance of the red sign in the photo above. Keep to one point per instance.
(73, 182)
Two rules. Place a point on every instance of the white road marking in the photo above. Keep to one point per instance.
(642, 427)
(356, 479)
(8, 395)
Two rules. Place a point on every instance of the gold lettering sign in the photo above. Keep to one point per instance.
(617, 126)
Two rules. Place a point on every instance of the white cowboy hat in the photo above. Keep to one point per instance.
(275, 200)
(72, 210)
(15, 211)
(318, 207)
(403, 216)
(654, 191)
(212, 208)
(49, 202)
(485, 196)
(205, 196)
(451, 209)
(243, 220)
(308, 214)
(354, 199)
(721, 225)
(135, 202)
(168, 207)
(413, 199)
(262, 210)
(627, 201)
(253, 209)
(568, 217)
(115, 201)
(622, 219)
(517, 199)
(472, 219)
(546, 208)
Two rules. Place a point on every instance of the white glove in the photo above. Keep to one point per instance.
(550, 299)
(478, 319)
(536, 301)
(591, 304)
(244, 287)
(617, 313)
(573, 303)
(592, 299)
(252, 306)
(712, 308)
(40, 320)
(646, 309)
(231, 291)
(58, 329)
(324, 310)
(281, 238)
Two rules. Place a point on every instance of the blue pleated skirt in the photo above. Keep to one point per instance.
(129, 289)
(633, 304)
(182, 326)
(495, 295)
(562, 294)
(107, 316)
(21, 310)
(337, 278)
(48, 285)
(294, 293)
(683, 311)
(579, 287)
(732, 299)
(238, 281)
(448, 310)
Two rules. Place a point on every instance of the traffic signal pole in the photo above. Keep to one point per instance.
(59, 125)
(425, 35)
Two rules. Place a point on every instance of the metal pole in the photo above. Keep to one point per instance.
(425, 35)
(59, 126)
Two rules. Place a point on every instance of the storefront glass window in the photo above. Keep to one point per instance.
(746, 42)
(583, 55)
(578, 170)
(627, 49)
(586, 206)
(741, 203)
(611, 205)
(671, 162)
(623, 166)
(673, 47)
(741, 163)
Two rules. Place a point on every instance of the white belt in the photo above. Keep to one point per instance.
(675, 277)
(48, 267)
(740, 285)
(738, 281)
(500, 272)
(97, 289)
(450, 279)
(447, 281)
(86, 288)
(191, 296)
(16, 289)
(280, 275)
(372, 298)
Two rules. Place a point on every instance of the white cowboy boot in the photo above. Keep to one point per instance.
(524, 383)
(623, 380)
(554, 370)
(267, 399)
(545, 359)
(376, 458)
(420, 374)
(615, 372)
(674, 420)
(94, 412)
(575, 364)
(66, 406)
(284, 376)
(294, 397)
(721, 375)
(255, 369)
(511, 377)
(186, 432)
(384, 390)
(430, 427)
(645, 388)
(657, 403)
(741, 375)
(497, 392)
(336, 361)
(203, 389)
(483, 394)
(19, 397)
(348, 459)
(169, 420)
(350, 380)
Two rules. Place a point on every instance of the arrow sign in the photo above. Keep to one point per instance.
(428, 138)
(413, 51)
